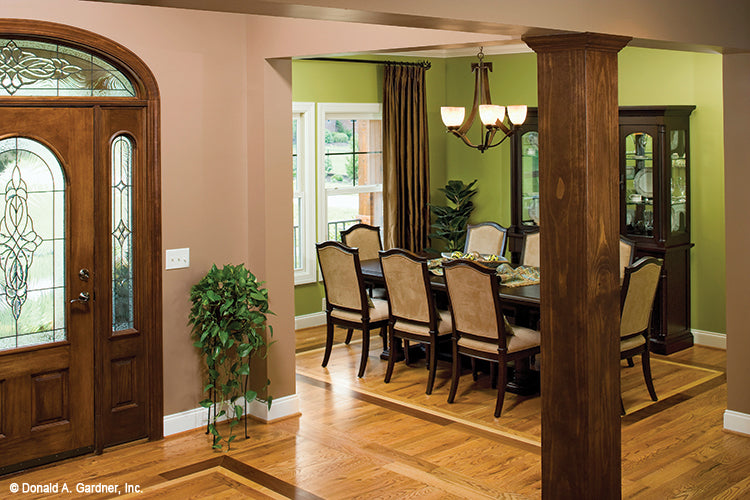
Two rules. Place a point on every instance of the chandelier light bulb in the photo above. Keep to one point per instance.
(490, 114)
(517, 114)
(452, 117)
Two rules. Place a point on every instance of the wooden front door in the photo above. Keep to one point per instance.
(47, 279)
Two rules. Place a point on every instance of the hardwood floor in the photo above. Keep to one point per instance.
(361, 438)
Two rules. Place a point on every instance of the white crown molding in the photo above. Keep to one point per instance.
(196, 418)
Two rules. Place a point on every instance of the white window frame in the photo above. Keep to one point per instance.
(332, 111)
(305, 112)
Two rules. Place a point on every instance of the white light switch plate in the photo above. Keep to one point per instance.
(178, 258)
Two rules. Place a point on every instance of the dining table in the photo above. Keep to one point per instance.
(520, 301)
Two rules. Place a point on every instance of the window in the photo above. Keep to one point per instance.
(303, 179)
(122, 235)
(350, 167)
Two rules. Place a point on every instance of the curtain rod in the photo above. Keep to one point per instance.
(424, 64)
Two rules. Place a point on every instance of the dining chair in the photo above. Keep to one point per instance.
(347, 303)
(366, 238)
(486, 238)
(627, 254)
(637, 302)
(480, 331)
(530, 255)
(412, 310)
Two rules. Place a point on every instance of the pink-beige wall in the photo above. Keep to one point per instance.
(737, 182)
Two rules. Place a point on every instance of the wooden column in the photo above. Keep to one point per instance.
(579, 198)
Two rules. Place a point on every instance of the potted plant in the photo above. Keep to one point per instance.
(450, 222)
(229, 318)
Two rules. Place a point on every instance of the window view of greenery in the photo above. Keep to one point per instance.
(297, 200)
(353, 173)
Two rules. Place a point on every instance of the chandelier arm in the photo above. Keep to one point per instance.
(499, 142)
(463, 137)
(478, 93)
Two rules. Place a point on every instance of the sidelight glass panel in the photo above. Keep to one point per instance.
(32, 245)
(122, 233)
(32, 68)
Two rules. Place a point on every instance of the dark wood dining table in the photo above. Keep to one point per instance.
(522, 300)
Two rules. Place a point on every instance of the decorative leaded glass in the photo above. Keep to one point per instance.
(122, 235)
(32, 245)
(32, 68)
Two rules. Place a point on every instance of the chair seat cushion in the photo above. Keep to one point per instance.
(378, 312)
(445, 325)
(629, 343)
(522, 338)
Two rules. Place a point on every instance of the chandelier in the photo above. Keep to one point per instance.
(491, 115)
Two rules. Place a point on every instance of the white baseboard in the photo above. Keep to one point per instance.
(737, 422)
(309, 320)
(198, 417)
(710, 339)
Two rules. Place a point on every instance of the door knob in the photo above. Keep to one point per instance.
(84, 274)
(83, 297)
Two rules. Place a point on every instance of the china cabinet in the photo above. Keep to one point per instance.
(654, 204)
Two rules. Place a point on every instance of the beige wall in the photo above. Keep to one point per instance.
(737, 206)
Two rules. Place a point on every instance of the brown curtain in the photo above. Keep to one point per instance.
(406, 163)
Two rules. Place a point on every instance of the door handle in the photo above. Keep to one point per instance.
(83, 297)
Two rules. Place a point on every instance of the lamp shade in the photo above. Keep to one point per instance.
(452, 116)
(517, 114)
(490, 114)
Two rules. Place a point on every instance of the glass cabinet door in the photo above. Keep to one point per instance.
(678, 182)
(530, 178)
(639, 184)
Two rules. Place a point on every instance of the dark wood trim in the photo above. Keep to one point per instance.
(578, 177)
(148, 213)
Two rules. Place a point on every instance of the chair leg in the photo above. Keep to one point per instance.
(329, 343)
(427, 356)
(384, 336)
(432, 356)
(406, 352)
(455, 373)
(502, 375)
(365, 350)
(622, 407)
(493, 374)
(645, 361)
(630, 362)
(391, 354)
(349, 333)
(474, 369)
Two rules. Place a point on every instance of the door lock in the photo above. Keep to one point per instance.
(84, 274)
(83, 297)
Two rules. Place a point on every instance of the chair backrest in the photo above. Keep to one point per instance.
(473, 292)
(364, 237)
(342, 276)
(486, 238)
(407, 284)
(530, 255)
(627, 254)
(639, 290)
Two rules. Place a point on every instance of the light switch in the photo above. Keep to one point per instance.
(177, 258)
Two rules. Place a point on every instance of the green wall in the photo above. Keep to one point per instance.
(646, 77)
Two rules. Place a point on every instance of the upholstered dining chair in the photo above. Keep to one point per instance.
(480, 330)
(486, 238)
(347, 303)
(366, 238)
(530, 255)
(638, 292)
(413, 314)
(627, 254)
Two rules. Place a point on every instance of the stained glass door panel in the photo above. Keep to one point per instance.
(46, 238)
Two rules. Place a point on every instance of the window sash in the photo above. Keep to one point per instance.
(304, 112)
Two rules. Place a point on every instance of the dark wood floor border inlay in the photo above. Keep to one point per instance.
(422, 415)
(245, 470)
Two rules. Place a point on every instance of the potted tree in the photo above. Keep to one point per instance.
(450, 221)
(229, 318)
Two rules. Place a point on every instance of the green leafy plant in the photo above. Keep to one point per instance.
(229, 317)
(450, 221)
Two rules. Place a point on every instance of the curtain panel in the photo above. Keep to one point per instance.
(406, 164)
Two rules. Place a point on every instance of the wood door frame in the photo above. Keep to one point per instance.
(147, 214)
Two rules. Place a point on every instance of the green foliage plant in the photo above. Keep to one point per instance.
(229, 317)
(450, 221)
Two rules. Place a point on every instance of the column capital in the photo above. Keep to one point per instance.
(573, 41)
